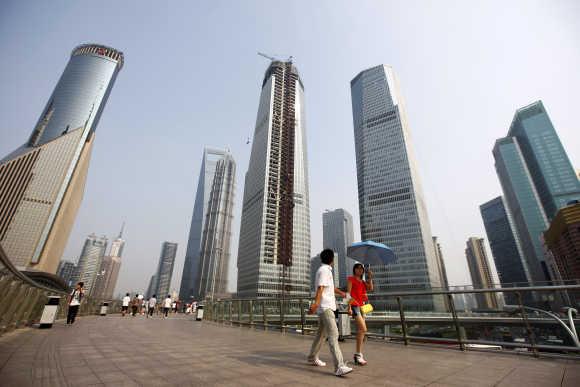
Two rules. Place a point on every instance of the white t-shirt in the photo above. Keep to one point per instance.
(152, 302)
(126, 300)
(167, 303)
(325, 278)
(75, 298)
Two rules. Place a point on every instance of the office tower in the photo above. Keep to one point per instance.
(391, 205)
(562, 239)
(337, 234)
(42, 182)
(152, 287)
(66, 270)
(274, 248)
(505, 248)
(208, 247)
(165, 268)
(537, 179)
(480, 273)
(315, 263)
(109, 272)
(440, 263)
(88, 267)
(549, 166)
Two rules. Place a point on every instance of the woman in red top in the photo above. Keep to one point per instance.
(357, 288)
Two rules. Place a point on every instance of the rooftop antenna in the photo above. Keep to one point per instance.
(121, 232)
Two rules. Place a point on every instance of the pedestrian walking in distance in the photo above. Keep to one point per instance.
(74, 302)
(152, 303)
(325, 305)
(135, 305)
(356, 296)
(126, 302)
(166, 305)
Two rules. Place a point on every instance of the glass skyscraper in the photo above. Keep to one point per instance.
(274, 248)
(210, 223)
(90, 261)
(165, 269)
(537, 179)
(505, 246)
(391, 205)
(47, 174)
(337, 234)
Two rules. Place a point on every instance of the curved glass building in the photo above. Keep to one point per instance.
(42, 182)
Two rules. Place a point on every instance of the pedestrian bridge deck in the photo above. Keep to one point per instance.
(133, 351)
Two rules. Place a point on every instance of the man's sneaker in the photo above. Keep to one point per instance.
(343, 370)
(359, 359)
(317, 362)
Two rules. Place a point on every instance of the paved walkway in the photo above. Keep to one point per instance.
(115, 351)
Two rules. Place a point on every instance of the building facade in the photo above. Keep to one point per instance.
(337, 234)
(109, 272)
(505, 249)
(480, 273)
(274, 247)
(42, 182)
(165, 269)
(88, 267)
(66, 270)
(208, 247)
(391, 204)
(562, 239)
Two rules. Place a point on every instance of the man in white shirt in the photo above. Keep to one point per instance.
(325, 305)
(126, 301)
(167, 305)
(152, 303)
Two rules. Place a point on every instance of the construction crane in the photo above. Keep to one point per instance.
(275, 59)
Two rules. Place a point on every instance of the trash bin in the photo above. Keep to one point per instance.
(49, 312)
(104, 308)
(199, 313)
(343, 323)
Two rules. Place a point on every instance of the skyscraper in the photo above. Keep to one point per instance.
(505, 248)
(550, 168)
(90, 261)
(274, 248)
(337, 234)
(66, 270)
(165, 268)
(208, 246)
(563, 240)
(108, 274)
(42, 182)
(440, 264)
(537, 179)
(391, 205)
(480, 272)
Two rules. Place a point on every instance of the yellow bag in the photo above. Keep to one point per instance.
(366, 308)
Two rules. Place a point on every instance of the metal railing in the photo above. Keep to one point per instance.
(516, 328)
(22, 300)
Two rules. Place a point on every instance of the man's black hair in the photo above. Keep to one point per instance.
(327, 256)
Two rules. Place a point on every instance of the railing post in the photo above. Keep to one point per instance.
(230, 311)
(239, 312)
(456, 322)
(251, 316)
(281, 305)
(302, 316)
(531, 334)
(265, 317)
(403, 322)
(223, 310)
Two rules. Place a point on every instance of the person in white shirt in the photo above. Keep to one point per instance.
(152, 303)
(167, 305)
(126, 301)
(325, 305)
(74, 302)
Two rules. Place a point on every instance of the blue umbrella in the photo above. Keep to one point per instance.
(371, 253)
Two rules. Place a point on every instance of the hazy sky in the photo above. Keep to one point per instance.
(192, 78)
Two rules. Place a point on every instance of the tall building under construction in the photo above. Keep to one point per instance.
(274, 248)
(42, 182)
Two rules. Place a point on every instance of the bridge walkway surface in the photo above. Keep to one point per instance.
(132, 351)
